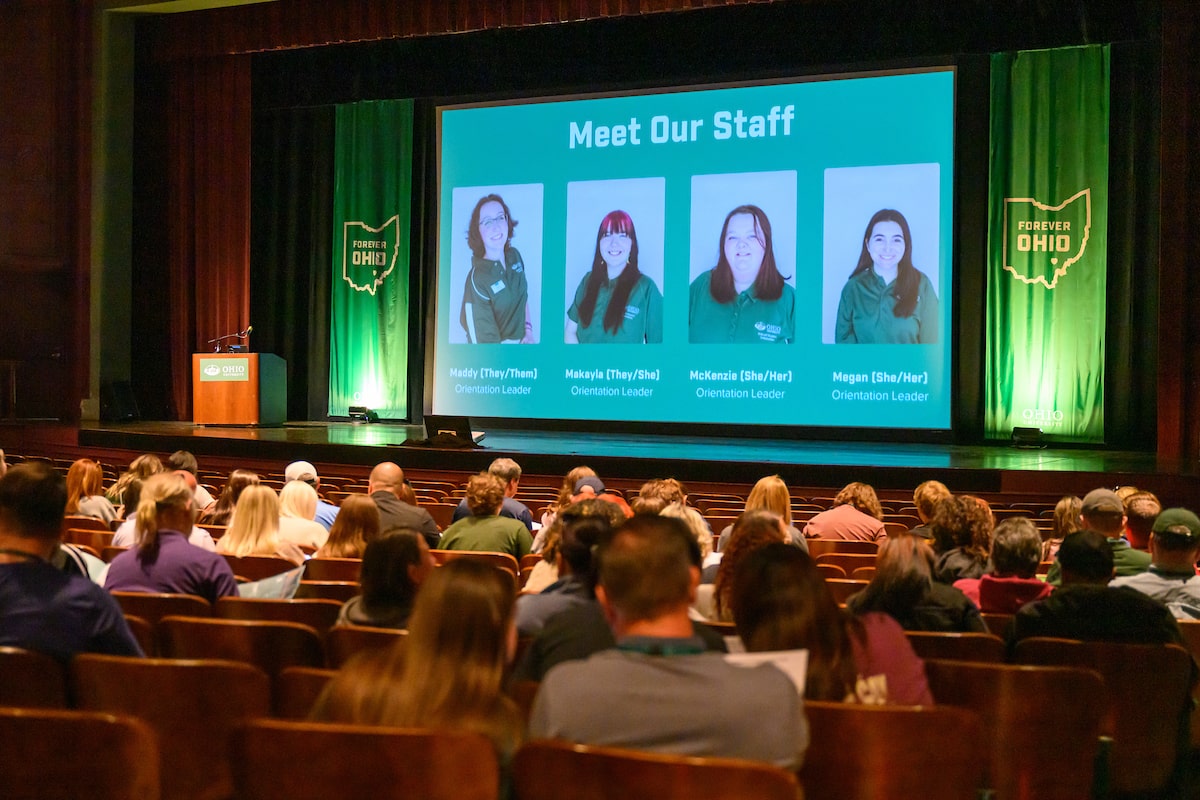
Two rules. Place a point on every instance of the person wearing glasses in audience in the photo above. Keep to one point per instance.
(495, 306)
(615, 302)
(743, 299)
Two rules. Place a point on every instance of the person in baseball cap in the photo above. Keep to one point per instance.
(305, 472)
(1171, 579)
(1104, 512)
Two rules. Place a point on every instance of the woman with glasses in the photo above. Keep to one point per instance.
(495, 305)
(743, 299)
(615, 303)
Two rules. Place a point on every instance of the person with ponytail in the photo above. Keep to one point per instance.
(615, 303)
(887, 300)
(743, 299)
(163, 560)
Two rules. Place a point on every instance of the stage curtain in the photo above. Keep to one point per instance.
(369, 325)
(1047, 244)
(290, 250)
(208, 211)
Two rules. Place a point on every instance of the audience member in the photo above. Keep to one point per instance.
(43, 608)
(448, 672)
(1066, 520)
(752, 531)
(1104, 512)
(356, 526)
(926, 498)
(1086, 607)
(305, 472)
(903, 587)
(781, 602)
(182, 459)
(565, 493)
(1141, 509)
(769, 494)
(509, 472)
(674, 494)
(1016, 553)
(254, 529)
(394, 567)
(141, 468)
(385, 486)
(85, 491)
(485, 530)
(163, 560)
(962, 529)
(297, 504)
(220, 512)
(1174, 548)
(660, 691)
(592, 488)
(126, 533)
(856, 515)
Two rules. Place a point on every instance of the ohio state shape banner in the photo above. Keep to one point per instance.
(368, 339)
(1047, 243)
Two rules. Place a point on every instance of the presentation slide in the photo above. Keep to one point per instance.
(631, 257)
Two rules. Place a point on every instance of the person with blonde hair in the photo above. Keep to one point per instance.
(770, 494)
(855, 515)
(297, 506)
(485, 530)
(85, 491)
(141, 468)
(926, 497)
(356, 526)
(903, 587)
(163, 560)
(254, 528)
(448, 673)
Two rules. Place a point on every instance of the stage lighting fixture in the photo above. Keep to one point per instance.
(1027, 437)
(362, 414)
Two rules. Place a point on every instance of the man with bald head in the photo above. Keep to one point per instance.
(384, 485)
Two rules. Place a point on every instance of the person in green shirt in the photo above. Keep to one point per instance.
(485, 530)
(495, 306)
(887, 300)
(615, 303)
(743, 299)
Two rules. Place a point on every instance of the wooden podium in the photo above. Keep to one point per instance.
(238, 389)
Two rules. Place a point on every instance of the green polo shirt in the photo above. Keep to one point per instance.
(866, 313)
(745, 320)
(494, 299)
(643, 315)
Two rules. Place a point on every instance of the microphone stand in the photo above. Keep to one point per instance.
(217, 341)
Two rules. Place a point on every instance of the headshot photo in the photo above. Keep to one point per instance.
(742, 259)
(495, 265)
(881, 269)
(614, 264)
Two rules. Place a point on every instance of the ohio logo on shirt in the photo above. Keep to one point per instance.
(369, 254)
(1042, 241)
(767, 332)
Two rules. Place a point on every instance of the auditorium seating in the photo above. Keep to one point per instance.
(285, 760)
(255, 568)
(344, 641)
(154, 606)
(297, 688)
(76, 754)
(328, 590)
(985, 648)
(317, 614)
(843, 589)
(847, 561)
(332, 569)
(553, 770)
(270, 646)
(31, 679)
(502, 561)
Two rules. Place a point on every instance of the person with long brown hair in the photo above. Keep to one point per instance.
(85, 491)
(752, 531)
(163, 560)
(356, 526)
(448, 672)
(962, 535)
(615, 302)
(780, 602)
(220, 512)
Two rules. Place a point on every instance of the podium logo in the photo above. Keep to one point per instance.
(212, 370)
(369, 254)
(224, 369)
(1042, 241)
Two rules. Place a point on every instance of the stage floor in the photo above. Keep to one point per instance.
(887, 465)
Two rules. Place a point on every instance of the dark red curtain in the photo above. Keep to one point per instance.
(208, 211)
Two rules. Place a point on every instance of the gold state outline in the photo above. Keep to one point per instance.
(345, 249)
(1062, 270)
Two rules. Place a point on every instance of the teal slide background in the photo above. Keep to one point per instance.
(854, 122)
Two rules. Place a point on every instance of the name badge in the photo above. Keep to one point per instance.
(498, 287)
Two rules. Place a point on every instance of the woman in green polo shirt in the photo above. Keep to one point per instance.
(743, 299)
(887, 300)
(615, 303)
(495, 306)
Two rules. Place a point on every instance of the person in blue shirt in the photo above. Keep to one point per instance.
(886, 299)
(615, 302)
(743, 299)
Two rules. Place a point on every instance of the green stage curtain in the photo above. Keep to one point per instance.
(1048, 243)
(368, 341)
